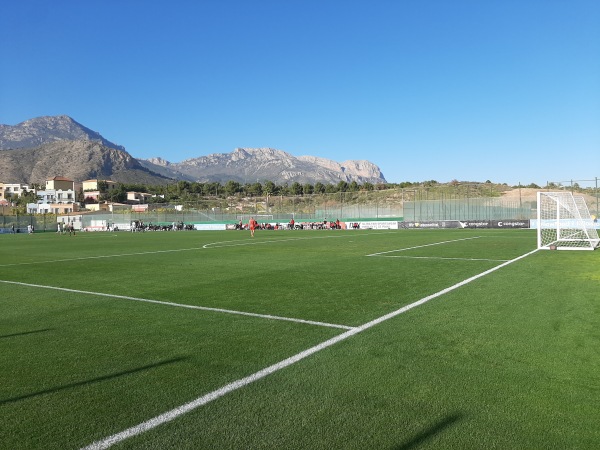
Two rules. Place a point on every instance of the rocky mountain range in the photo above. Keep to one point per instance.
(247, 165)
(41, 148)
(44, 130)
(76, 160)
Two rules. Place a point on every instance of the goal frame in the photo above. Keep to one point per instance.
(564, 222)
(258, 217)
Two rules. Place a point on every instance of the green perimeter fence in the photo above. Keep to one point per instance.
(463, 202)
(443, 209)
(19, 223)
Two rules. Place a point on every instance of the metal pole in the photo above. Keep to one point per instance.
(597, 210)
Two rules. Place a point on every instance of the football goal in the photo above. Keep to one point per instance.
(564, 222)
(258, 217)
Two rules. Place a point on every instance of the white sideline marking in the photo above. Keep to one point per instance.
(425, 245)
(190, 406)
(182, 305)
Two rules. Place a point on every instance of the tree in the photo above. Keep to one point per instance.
(183, 186)
(255, 189)
(270, 188)
(232, 187)
(284, 189)
(319, 188)
(26, 197)
(80, 197)
(296, 188)
(308, 189)
(342, 186)
(330, 188)
(212, 188)
(196, 187)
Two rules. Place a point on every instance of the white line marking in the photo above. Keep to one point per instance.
(190, 406)
(102, 256)
(439, 257)
(182, 305)
(425, 245)
(210, 245)
(271, 241)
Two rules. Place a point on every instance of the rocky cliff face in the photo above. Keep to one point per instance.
(43, 130)
(361, 168)
(247, 165)
(77, 160)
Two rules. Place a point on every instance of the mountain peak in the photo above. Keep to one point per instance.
(68, 140)
(246, 164)
(46, 129)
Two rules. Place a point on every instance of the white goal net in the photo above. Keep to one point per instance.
(564, 222)
(258, 217)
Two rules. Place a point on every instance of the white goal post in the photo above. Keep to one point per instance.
(564, 222)
(258, 217)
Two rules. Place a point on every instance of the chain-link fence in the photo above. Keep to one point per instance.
(590, 189)
(467, 201)
(469, 209)
(19, 223)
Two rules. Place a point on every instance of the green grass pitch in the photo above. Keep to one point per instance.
(96, 339)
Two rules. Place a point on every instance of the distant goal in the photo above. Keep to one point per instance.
(260, 218)
(564, 222)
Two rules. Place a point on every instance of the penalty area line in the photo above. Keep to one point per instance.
(441, 257)
(183, 305)
(207, 398)
(425, 245)
(237, 243)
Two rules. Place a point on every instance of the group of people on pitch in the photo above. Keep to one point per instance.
(253, 225)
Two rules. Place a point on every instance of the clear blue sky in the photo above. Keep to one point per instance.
(506, 90)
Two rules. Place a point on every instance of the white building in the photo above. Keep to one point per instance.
(8, 191)
(54, 201)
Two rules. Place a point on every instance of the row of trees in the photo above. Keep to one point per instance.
(191, 191)
(185, 190)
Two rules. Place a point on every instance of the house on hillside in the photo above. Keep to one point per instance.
(54, 201)
(11, 190)
(57, 183)
(94, 185)
(138, 197)
(92, 189)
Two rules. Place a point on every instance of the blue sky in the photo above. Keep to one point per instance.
(507, 90)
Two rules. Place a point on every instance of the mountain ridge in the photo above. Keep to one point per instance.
(77, 160)
(60, 135)
(43, 130)
(247, 164)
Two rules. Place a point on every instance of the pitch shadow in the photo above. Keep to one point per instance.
(23, 333)
(428, 433)
(93, 380)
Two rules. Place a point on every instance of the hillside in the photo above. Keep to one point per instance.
(47, 129)
(77, 160)
(244, 165)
